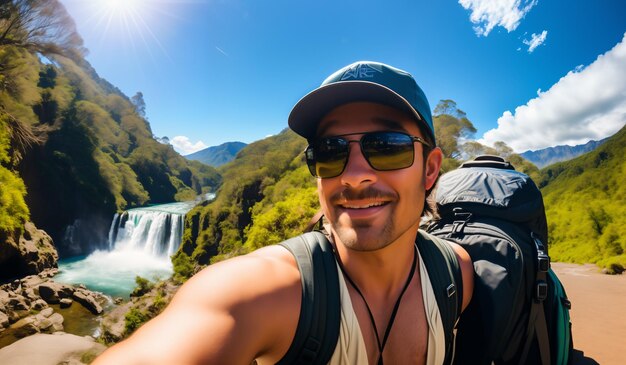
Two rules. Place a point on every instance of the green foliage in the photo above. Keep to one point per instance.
(143, 286)
(134, 319)
(451, 127)
(263, 174)
(285, 211)
(585, 201)
(13, 210)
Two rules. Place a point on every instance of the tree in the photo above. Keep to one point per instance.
(451, 128)
(139, 103)
(42, 26)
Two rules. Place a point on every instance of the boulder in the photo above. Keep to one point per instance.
(46, 312)
(65, 302)
(25, 327)
(113, 325)
(4, 321)
(44, 349)
(57, 322)
(31, 281)
(29, 293)
(53, 292)
(87, 300)
(49, 324)
(26, 254)
(18, 303)
(38, 304)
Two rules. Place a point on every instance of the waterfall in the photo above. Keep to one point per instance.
(154, 230)
(141, 241)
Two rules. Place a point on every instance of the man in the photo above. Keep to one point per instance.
(371, 146)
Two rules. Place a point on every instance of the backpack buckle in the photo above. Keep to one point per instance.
(459, 213)
(541, 291)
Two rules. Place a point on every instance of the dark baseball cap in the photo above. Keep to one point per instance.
(361, 81)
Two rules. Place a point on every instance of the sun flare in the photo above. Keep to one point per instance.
(121, 6)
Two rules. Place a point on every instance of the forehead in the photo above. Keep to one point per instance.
(366, 117)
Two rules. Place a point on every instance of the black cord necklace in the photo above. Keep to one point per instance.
(381, 346)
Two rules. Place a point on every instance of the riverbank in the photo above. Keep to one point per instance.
(598, 320)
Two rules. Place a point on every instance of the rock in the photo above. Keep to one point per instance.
(25, 327)
(46, 312)
(44, 349)
(65, 302)
(29, 253)
(113, 325)
(18, 303)
(31, 281)
(4, 321)
(88, 301)
(57, 322)
(16, 315)
(50, 324)
(39, 304)
(29, 293)
(48, 273)
(118, 301)
(52, 292)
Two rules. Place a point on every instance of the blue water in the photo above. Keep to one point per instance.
(113, 273)
(135, 252)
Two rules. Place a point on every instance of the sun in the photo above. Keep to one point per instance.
(122, 8)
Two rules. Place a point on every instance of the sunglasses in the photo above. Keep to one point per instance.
(384, 151)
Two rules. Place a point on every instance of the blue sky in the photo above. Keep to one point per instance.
(531, 73)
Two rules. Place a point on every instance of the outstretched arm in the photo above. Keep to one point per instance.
(233, 312)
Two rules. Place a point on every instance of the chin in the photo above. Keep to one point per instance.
(364, 238)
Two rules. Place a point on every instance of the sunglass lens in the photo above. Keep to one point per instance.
(388, 150)
(329, 156)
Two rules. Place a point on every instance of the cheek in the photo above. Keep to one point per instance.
(323, 197)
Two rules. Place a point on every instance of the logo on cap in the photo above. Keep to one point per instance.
(362, 71)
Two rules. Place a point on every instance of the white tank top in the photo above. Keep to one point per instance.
(351, 346)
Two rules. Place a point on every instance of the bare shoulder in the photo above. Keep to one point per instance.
(231, 312)
(467, 271)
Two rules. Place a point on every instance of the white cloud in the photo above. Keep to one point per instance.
(587, 103)
(535, 40)
(184, 146)
(487, 14)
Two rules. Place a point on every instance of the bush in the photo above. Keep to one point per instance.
(134, 319)
(143, 286)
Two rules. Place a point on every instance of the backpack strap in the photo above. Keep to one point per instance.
(318, 326)
(446, 279)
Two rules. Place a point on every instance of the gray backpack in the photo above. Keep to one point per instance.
(519, 313)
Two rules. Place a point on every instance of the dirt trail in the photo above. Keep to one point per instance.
(598, 313)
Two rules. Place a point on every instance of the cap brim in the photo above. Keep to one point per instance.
(307, 113)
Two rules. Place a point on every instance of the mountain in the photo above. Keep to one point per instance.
(585, 201)
(217, 155)
(74, 150)
(267, 195)
(550, 155)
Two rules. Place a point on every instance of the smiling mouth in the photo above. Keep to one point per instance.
(349, 205)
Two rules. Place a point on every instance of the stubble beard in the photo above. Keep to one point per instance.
(365, 237)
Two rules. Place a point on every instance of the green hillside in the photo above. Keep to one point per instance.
(267, 195)
(72, 146)
(585, 201)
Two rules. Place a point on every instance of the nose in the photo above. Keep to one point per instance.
(358, 172)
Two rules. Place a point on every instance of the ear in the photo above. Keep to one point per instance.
(433, 163)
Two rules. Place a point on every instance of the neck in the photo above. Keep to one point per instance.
(380, 273)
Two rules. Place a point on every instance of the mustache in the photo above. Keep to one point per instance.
(349, 194)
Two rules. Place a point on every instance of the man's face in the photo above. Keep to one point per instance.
(370, 209)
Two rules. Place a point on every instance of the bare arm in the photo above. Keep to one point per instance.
(467, 272)
(230, 313)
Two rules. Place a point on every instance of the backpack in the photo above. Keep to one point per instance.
(519, 313)
(318, 325)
